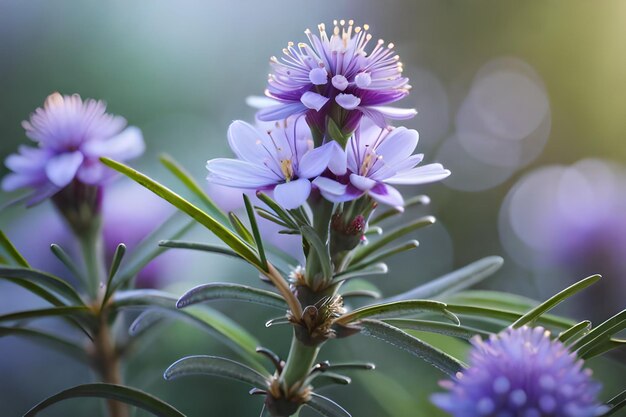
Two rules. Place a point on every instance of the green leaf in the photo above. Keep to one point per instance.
(67, 261)
(414, 201)
(506, 316)
(227, 291)
(78, 312)
(553, 301)
(321, 250)
(255, 229)
(446, 329)
(577, 330)
(387, 238)
(215, 365)
(360, 293)
(65, 346)
(175, 226)
(115, 264)
(241, 228)
(361, 366)
(221, 231)
(210, 320)
(455, 281)
(147, 319)
(12, 251)
(126, 395)
(600, 348)
(376, 269)
(278, 210)
(397, 309)
(411, 244)
(492, 299)
(335, 133)
(48, 281)
(616, 403)
(413, 345)
(326, 407)
(205, 247)
(187, 180)
(601, 333)
(327, 378)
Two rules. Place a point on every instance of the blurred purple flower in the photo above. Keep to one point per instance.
(521, 372)
(337, 73)
(71, 135)
(282, 160)
(376, 158)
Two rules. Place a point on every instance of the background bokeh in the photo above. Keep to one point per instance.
(511, 96)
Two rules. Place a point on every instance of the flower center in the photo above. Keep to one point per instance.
(369, 160)
(287, 169)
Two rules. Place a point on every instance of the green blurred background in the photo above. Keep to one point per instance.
(181, 71)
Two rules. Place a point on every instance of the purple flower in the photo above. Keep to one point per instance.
(337, 75)
(72, 135)
(282, 160)
(376, 158)
(521, 373)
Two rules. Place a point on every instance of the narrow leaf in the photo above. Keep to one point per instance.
(255, 229)
(577, 330)
(79, 312)
(360, 293)
(326, 407)
(600, 348)
(221, 231)
(554, 301)
(601, 333)
(226, 291)
(376, 269)
(115, 264)
(51, 282)
(278, 210)
(241, 228)
(67, 261)
(12, 251)
(205, 247)
(147, 319)
(455, 281)
(397, 309)
(616, 403)
(126, 395)
(215, 365)
(65, 346)
(446, 329)
(185, 177)
(412, 244)
(417, 200)
(387, 238)
(321, 250)
(506, 316)
(413, 345)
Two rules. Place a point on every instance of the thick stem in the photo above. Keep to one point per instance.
(107, 363)
(298, 365)
(322, 213)
(92, 248)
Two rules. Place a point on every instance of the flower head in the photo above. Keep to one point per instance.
(377, 157)
(71, 135)
(337, 74)
(521, 372)
(281, 159)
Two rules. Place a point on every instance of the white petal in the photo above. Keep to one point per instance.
(313, 100)
(318, 76)
(329, 185)
(339, 160)
(292, 194)
(280, 111)
(126, 145)
(240, 174)
(247, 142)
(362, 183)
(394, 113)
(62, 168)
(348, 101)
(340, 82)
(420, 175)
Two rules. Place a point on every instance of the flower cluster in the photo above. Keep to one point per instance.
(71, 135)
(332, 78)
(521, 372)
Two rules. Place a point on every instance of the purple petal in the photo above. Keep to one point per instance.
(330, 186)
(394, 113)
(340, 82)
(363, 80)
(348, 101)
(91, 172)
(240, 174)
(313, 100)
(361, 182)
(339, 160)
(398, 146)
(408, 163)
(246, 141)
(280, 111)
(292, 194)
(386, 194)
(420, 175)
(12, 182)
(318, 76)
(126, 145)
(375, 116)
(62, 168)
(314, 162)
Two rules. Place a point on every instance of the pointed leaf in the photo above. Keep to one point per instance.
(62, 288)
(446, 329)
(205, 247)
(77, 312)
(553, 301)
(225, 291)
(68, 347)
(145, 320)
(326, 407)
(412, 244)
(413, 345)
(376, 269)
(506, 316)
(454, 281)
(577, 330)
(12, 251)
(601, 333)
(397, 309)
(187, 180)
(278, 210)
(115, 264)
(221, 231)
(215, 365)
(616, 403)
(126, 395)
(255, 229)
(321, 250)
(67, 261)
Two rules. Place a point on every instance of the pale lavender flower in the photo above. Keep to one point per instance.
(282, 160)
(376, 158)
(521, 373)
(71, 135)
(337, 72)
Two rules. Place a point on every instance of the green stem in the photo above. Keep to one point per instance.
(322, 214)
(298, 365)
(92, 247)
